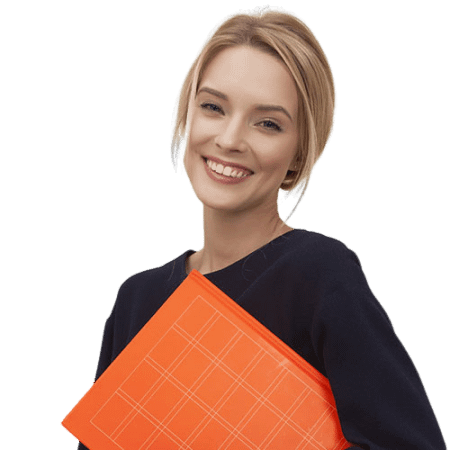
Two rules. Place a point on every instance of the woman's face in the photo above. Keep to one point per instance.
(245, 112)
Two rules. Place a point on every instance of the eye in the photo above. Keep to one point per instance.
(211, 107)
(271, 125)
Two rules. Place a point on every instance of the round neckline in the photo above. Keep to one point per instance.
(190, 252)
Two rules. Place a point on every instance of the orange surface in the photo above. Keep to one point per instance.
(203, 374)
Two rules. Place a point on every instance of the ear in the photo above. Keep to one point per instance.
(294, 163)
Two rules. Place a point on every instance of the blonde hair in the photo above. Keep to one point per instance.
(291, 41)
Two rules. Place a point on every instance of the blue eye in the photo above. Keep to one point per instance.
(271, 125)
(211, 107)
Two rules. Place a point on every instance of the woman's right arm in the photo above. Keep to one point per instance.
(106, 353)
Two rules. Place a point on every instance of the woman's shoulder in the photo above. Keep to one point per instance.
(155, 280)
(319, 249)
(141, 295)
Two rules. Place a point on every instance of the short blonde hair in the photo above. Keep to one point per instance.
(291, 41)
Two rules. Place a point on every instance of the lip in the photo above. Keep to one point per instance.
(222, 178)
(229, 164)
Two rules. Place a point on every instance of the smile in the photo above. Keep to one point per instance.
(225, 170)
(228, 175)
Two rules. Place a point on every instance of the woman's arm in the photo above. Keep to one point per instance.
(106, 351)
(380, 398)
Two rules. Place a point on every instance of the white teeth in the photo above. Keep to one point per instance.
(227, 171)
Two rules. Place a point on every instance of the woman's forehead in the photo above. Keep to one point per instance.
(247, 74)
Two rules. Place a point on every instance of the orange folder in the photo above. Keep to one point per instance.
(204, 374)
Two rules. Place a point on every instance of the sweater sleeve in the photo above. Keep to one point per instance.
(380, 399)
(106, 352)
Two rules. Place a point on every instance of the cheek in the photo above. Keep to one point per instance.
(202, 130)
(275, 155)
(198, 137)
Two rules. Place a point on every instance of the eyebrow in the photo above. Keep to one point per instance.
(258, 107)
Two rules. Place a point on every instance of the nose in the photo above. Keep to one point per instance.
(231, 135)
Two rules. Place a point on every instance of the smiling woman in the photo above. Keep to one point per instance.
(256, 110)
(240, 118)
(303, 63)
(261, 95)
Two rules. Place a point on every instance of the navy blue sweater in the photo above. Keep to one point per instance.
(309, 290)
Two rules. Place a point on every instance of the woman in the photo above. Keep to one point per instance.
(256, 110)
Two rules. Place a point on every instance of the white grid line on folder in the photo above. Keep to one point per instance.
(189, 393)
(154, 421)
(190, 346)
(284, 418)
(265, 400)
(261, 399)
(180, 358)
(211, 413)
(201, 375)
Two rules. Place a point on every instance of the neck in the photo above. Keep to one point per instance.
(229, 238)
